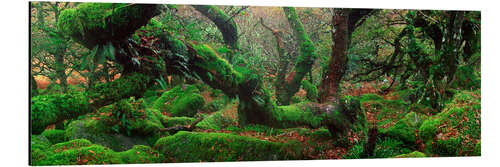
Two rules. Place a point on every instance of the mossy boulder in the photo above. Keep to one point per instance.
(83, 152)
(40, 148)
(220, 119)
(98, 132)
(456, 130)
(405, 128)
(224, 147)
(414, 154)
(182, 100)
(386, 112)
(93, 24)
(54, 135)
(50, 109)
(140, 154)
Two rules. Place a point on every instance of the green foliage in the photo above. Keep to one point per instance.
(224, 147)
(180, 101)
(54, 136)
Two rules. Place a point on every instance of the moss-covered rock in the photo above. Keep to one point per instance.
(405, 128)
(98, 132)
(296, 115)
(93, 24)
(40, 148)
(83, 152)
(54, 136)
(180, 101)
(414, 154)
(224, 147)
(457, 129)
(220, 119)
(50, 109)
(140, 154)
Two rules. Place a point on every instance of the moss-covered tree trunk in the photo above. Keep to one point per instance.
(224, 23)
(291, 84)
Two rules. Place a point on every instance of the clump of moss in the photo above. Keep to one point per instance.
(224, 147)
(456, 130)
(405, 128)
(54, 136)
(180, 101)
(414, 154)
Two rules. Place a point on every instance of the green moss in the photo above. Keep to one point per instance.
(455, 130)
(40, 149)
(477, 149)
(217, 72)
(140, 154)
(180, 101)
(50, 109)
(83, 152)
(176, 121)
(224, 147)
(312, 90)
(54, 136)
(370, 97)
(72, 144)
(414, 154)
(218, 120)
(93, 24)
(92, 154)
(388, 147)
(466, 78)
(131, 85)
(297, 115)
(405, 128)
